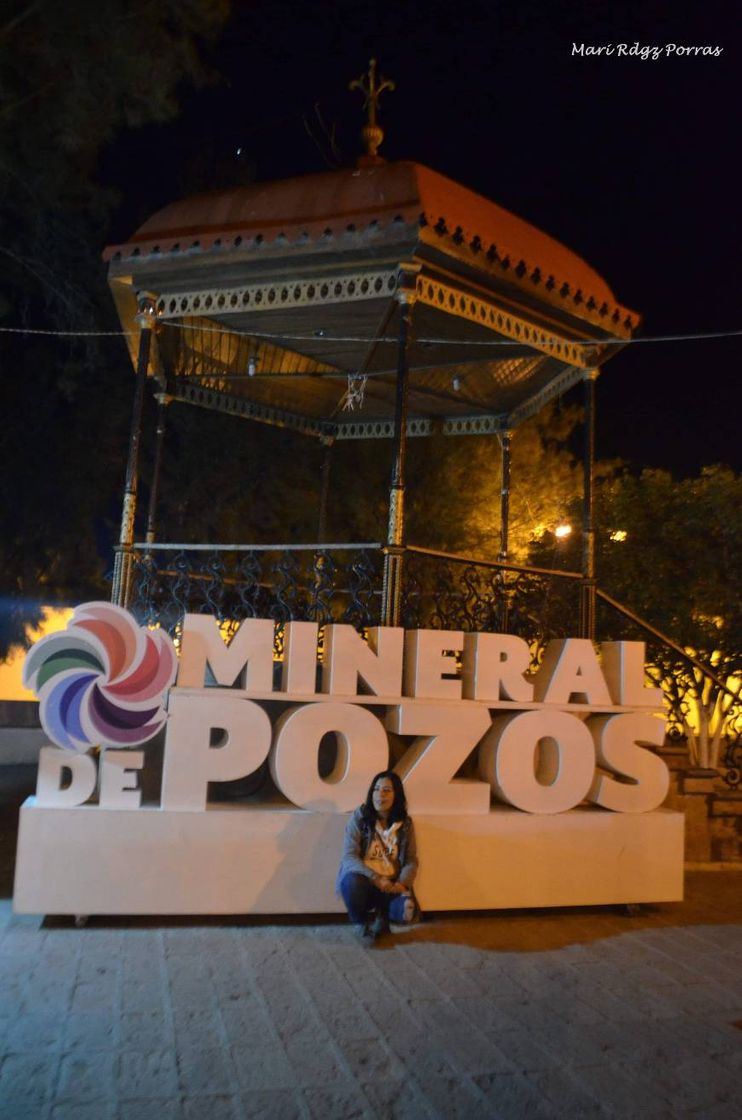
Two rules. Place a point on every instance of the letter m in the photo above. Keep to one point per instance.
(247, 659)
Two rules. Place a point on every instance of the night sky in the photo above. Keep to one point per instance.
(630, 162)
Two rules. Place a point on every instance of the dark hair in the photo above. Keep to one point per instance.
(398, 810)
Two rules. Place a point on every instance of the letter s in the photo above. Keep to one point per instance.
(640, 779)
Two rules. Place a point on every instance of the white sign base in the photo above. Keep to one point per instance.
(281, 860)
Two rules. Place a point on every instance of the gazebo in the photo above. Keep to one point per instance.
(383, 301)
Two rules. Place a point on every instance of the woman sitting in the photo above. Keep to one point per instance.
(379, 860)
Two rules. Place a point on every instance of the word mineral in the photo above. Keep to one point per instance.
(461, 713)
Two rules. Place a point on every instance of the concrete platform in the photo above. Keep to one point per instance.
(268, 860)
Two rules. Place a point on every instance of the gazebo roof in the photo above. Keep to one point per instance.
(300, 274)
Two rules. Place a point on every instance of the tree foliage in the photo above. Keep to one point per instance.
(670, 551)
(71, 77)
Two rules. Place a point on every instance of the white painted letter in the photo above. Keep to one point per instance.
(378, 664)
(362, 751)
(448, 736)
(570, 669)
(495, 666)
(191, 762)
(430, 665)
(299, 673)
(117, 775)
(52, 763)
(541, 762)
(642, 778)
(248, 658)
(623, 669)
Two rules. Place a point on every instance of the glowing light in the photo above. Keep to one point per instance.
(619, 535)
(11, 670)
(562, 531)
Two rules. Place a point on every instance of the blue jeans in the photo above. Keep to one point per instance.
(363, 900)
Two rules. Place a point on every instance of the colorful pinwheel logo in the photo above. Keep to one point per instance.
(101, 682)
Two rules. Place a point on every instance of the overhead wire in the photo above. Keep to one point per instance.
(610, 340)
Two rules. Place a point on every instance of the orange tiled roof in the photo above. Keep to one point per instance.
(351, 201)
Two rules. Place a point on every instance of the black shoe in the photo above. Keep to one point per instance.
(364, 933)
(380, 925)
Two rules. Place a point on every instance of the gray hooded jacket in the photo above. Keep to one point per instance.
(358, 834)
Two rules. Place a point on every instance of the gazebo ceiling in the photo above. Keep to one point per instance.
(296, 281)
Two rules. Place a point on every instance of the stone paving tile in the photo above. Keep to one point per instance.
(398, 1100)
(195, 1026)
(205, 1071)
(344, 1022)
(514, 1097)
(152, 1108)
(569, 1096)
(338, 1104)
(142, 997)
(73, 1110)
(32, 1031)
(144, 1030)
(522, 1051)
(26, 1080)
(86, 1076)
(248, 1024)
(221, 1107)
(269, 1105)
(149, 1073)
(489, 1013)
(624, 1089)
(314, 1063)
(423, 1058)
(89, 1030)
(455, 1098)
(369, 1059)
(262, 1067)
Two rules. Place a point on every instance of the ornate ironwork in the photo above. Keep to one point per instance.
(461, 594)
(311, 292)
(322, 583)
(465, 305)
(420, 426)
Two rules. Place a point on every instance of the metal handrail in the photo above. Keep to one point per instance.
(503, 564)
(157, 547)
(666, 640)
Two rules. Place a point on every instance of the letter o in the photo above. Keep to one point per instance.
(362, 750)
(507, 760)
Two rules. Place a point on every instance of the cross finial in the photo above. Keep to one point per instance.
(371, 89)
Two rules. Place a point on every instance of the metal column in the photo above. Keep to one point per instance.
(163, 400)
(394, 550)
(145, 319)
(328, 442)
(505, 447)
(588, 597)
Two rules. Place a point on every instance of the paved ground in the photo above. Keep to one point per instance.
(528, 1014)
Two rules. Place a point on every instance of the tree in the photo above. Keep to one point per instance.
(71, 77)
(670, 551)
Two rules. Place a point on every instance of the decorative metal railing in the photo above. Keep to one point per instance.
(315, 583)
(450, 592)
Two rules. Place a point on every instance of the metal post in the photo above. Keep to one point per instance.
(163, 400)
(329, 443)
(394, 551)
(505, 447)
(588, 598)
(145, 319)
(505, 439)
